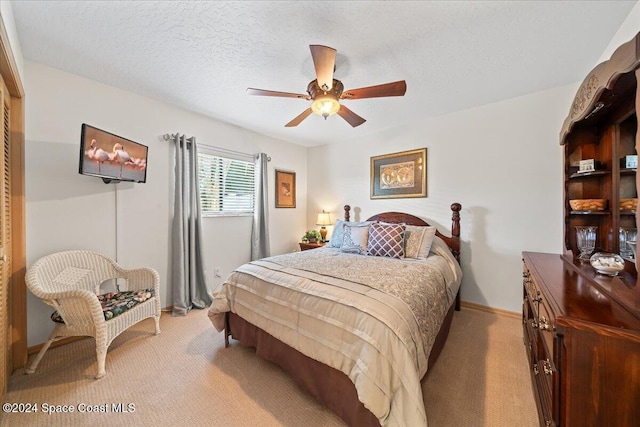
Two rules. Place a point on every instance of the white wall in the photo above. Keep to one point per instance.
(65, 210)
(626, 32)
(502, 161)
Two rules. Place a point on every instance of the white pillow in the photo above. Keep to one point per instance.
(355, 239)
(418, 241)
(413, 237)
(338, 232)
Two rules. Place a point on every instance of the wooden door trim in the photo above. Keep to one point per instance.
(18, 294)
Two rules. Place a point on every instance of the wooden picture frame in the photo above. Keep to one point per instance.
(399, 175)
(285, 189)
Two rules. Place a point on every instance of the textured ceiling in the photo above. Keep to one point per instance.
(202, 56)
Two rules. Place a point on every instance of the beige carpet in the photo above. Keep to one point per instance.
(185, 376)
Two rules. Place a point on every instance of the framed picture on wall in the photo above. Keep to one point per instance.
(398, 175)
(285, 189)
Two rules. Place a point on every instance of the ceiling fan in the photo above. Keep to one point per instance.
(325, 91)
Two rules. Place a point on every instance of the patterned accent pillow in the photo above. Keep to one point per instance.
(386, 240)
(413, 237)
(427, 242)
(355, 239)
(418, 241)
(338, 232)
(337, 235)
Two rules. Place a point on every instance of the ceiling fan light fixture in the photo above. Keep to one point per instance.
(325, 106)
(325, 92)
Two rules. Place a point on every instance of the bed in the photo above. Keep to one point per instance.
(356, 332)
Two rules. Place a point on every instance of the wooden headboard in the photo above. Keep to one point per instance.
(452, 241)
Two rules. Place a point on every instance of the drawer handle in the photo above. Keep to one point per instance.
(546, 366)
(536, 371)
(534, 324)
(543, 324)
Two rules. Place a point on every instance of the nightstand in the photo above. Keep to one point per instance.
(307, 246)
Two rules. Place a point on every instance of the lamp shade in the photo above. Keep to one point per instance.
(323, 218)
(325, 106)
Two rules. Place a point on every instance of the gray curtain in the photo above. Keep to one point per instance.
(260, 231)
(189, 287)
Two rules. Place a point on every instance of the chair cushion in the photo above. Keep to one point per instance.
(114, 304)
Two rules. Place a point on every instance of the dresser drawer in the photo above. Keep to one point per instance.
(530, 289)
(546, 326)
(529, 334)
(545, 399)
(541, 341)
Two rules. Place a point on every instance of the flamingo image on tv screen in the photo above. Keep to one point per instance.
(111, 157)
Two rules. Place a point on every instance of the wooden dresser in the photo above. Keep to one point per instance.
(582, 334)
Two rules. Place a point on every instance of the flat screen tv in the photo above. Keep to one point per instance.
(111, 157)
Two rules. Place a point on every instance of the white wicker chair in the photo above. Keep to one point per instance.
(69, 282)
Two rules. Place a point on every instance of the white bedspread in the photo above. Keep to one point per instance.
(373, 318)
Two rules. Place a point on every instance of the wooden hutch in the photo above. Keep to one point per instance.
(581, 328)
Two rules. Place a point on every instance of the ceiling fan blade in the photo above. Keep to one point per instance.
(324, 60)
(388, 89)
(262, 92)
(352, 118)
(299, 119)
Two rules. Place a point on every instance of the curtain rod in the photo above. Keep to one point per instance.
(168, 137)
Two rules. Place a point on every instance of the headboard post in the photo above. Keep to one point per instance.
(455, 218)
(455, 229)
(347, 208)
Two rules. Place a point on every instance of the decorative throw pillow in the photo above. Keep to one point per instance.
(386, 240)
(337, 235)
(418, 241)
(427, 242)
(338, 232)
(413, 237)
(355, 239)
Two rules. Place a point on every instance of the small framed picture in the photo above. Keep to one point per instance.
(285, 189)
(399, 175)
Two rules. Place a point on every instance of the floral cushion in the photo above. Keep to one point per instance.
(116, 303)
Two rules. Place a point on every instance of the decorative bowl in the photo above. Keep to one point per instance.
(607, 263)
(628, 204)
(588, 204)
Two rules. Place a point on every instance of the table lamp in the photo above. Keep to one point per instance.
(323, 220)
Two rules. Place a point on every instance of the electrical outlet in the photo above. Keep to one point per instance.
(216, 272)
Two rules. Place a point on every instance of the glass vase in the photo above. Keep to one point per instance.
(627, 235)
(586, 241)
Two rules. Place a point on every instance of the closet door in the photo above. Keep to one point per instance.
(5, 244)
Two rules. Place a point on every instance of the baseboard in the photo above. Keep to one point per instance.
(500, 311)
(64, 341)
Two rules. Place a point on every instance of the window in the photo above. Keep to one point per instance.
(226, 183)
